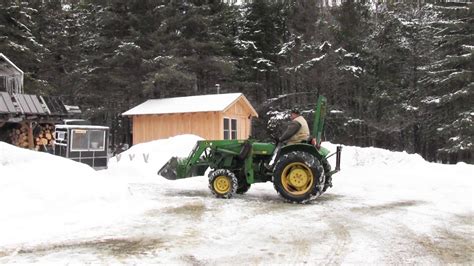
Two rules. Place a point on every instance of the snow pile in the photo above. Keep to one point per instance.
(380, 175)
(42, 195)
(375, 157)
(145, 159)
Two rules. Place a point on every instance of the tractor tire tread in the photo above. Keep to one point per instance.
(223, 172)
(313, 163)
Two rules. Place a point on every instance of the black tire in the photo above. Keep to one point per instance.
(298, 177)
(223, 183)
(243, 187)
(327, 169)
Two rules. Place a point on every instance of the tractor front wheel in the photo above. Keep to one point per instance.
(223, 183)
(298, 177)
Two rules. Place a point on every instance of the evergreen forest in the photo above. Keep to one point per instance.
(397, 74)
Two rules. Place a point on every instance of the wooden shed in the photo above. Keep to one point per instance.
(215, 116)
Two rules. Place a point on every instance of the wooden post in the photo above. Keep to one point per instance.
(31, 144)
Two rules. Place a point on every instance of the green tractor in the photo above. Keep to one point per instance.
(300, 173)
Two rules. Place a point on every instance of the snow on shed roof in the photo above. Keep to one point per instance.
(190, 104)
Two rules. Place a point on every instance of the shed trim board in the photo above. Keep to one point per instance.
(11, 63)
(19, 88)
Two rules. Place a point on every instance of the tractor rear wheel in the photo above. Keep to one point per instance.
(298, 176)
(223, 183)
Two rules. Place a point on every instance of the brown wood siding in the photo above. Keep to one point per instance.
(152, 127)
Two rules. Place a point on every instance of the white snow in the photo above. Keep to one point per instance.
(286, 47)
(245, 44)
(409, 107)
(190, 104)
(431, 99)
(355, 70)
(354, 121)
(66, 7)
(306, 65)
(340, 50)
(385, 208)
(324, 45)
(264, 61)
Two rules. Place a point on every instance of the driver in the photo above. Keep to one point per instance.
(297, 130)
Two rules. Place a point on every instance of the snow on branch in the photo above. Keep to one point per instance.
(306, 65)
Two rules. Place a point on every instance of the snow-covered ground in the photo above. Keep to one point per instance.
(385, 207)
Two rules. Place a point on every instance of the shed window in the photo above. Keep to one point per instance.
(230, 128)
(87, 140)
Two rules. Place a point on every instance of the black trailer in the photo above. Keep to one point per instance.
(83, 143)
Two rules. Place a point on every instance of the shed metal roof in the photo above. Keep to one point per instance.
(6, 104)
(55, 105)
(29, 104)
(190, 104)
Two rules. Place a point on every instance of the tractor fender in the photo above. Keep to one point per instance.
(301, 147)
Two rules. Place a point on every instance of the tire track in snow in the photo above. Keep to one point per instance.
(452, 243)
(340, 245)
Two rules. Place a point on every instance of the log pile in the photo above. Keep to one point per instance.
(43, 136)
(19, 136)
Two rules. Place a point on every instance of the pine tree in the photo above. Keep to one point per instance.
(19, 43)
(448, 85)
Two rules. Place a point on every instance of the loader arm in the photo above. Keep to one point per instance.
(177, 168)
(212, 153)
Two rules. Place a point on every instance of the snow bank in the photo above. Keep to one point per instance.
(142, 161)
(379, 175)
(42, 195)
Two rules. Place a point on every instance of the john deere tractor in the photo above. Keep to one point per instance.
(300, 173)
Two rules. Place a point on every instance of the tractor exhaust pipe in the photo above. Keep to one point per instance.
(338, 158)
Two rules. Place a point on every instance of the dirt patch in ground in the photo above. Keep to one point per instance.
(453, 243)
(121, 248)
(191, 259)
(449, 247)
(194, 209)
(189, 193)
(379, 209)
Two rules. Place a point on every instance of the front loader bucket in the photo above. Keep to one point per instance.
(170, 169)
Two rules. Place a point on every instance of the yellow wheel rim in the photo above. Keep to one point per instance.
(222, 184)
(297, 178)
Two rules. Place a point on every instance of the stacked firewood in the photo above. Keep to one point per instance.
(19, 136)
(44, 139)
(43, 136)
